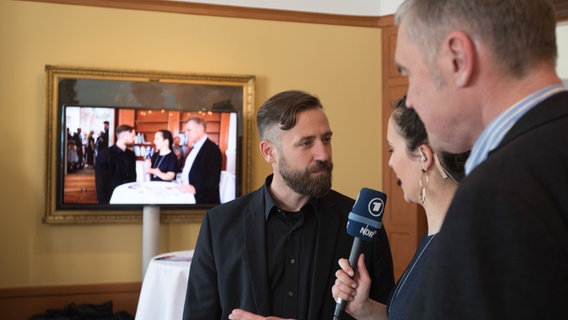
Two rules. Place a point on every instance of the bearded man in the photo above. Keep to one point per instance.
(274, 251)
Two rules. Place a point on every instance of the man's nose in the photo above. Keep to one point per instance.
(322, 151)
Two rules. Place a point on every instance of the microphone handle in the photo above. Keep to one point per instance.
(355, 252)
(353, 257)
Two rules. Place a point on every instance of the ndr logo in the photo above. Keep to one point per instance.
(369, 233)
(376, 207)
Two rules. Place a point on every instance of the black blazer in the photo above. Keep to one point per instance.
(229, 268)
(502, 252)
(205, 173)
(113, 167)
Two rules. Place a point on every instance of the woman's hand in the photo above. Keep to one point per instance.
(353, 287)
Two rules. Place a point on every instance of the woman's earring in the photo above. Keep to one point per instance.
(423, 187)
(422, 156)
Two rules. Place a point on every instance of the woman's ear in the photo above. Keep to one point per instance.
(426, 156)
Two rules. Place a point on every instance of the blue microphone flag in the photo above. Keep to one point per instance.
(363, 223)
(367, 213)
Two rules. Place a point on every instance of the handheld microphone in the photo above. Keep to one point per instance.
(364, 222)
(149, 152)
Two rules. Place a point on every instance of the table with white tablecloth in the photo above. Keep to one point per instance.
(163, 289)
(151, 192)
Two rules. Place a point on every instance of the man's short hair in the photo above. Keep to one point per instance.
(122, 128)
(199, 121)
(280, 112)
(521, 34)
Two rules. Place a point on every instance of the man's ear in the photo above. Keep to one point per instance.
(267, 151)
(462, 53)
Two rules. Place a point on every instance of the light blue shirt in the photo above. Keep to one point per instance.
(494, 133)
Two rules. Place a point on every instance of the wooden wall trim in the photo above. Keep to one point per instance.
(19, 292)
(561, 7)
(23, 302)
(386, 21)
(228, 11)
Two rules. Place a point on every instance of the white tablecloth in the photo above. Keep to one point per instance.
(150, 192)
(163, 290)
(227, 186)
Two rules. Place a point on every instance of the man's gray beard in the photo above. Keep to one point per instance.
(301, 181)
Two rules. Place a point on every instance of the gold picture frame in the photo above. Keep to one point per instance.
(127, 91)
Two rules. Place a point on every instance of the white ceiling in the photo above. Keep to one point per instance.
(346, 7)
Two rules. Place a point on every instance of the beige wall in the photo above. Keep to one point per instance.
(340, 64)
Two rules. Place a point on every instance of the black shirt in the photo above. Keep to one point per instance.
(166, 163)
(290, 238)
(113, 167)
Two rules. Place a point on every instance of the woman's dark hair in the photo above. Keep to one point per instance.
(166, 134)
(412, 129)
(453, 164)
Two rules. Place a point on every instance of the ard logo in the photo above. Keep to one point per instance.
(376, 207)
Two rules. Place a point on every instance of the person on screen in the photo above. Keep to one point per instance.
(164, 164)
(482, 76)
(103, 143)
(426, 178)
(273, 251)
(90, 149)
(115, 165)
(201, 172)
(179, 152)
(78, 139)
(72, 158)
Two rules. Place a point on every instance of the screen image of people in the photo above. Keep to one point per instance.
(163, 164)
(201, 172)
(115, 165)
(202, 144)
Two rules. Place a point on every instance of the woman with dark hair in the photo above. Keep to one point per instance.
(90, 148)
(164, 164)
(427, 178)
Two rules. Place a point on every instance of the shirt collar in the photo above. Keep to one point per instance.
(197, 145)
(270, 203)
(494, 133)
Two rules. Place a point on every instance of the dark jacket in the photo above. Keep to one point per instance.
(113, 167)
(229, 267)
(205, 173)
(502, 252)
